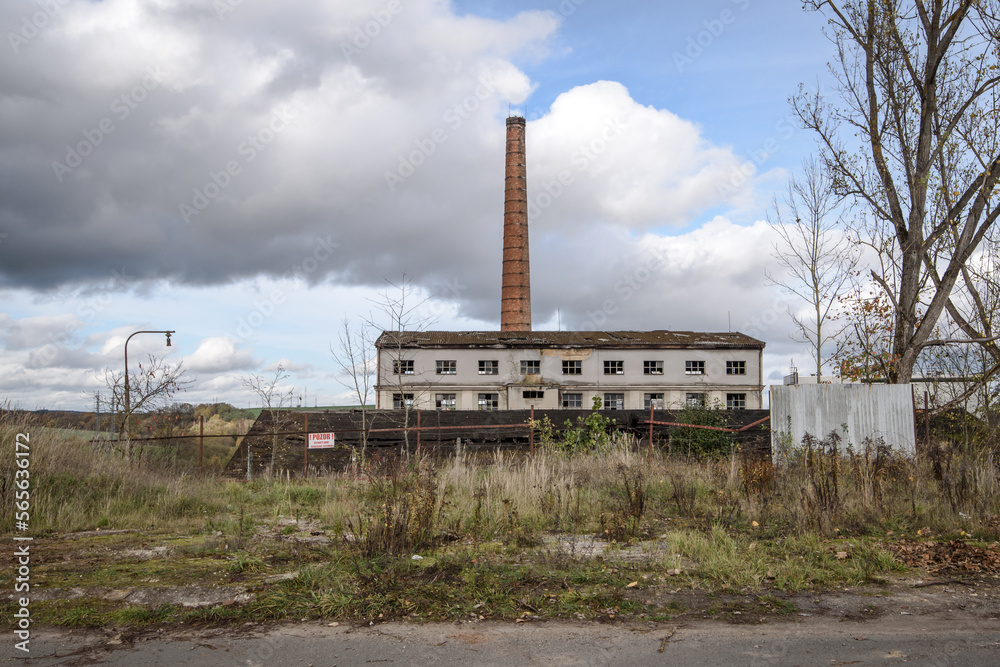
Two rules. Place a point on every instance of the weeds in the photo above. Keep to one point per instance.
(404, 516)
(685, 491)
(821, 499)
(484, 529)
(625, 523)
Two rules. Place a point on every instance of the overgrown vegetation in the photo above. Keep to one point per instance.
(702, 442)
(601, 533)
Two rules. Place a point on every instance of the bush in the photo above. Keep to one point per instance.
(590, 434)
(701, 442)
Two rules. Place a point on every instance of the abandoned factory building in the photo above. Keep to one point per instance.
(516, 367)
(510, 370)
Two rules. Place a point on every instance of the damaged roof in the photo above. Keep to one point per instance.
(566, 339)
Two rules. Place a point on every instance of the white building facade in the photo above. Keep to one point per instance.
(513, 370)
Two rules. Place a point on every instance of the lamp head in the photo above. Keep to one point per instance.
(168, 338)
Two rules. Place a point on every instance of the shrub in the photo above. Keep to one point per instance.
(701, 442)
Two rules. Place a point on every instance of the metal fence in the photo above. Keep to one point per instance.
(858, 413)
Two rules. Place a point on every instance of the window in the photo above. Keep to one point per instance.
(531, 367)
(694, 400)
(531, 393)
(694, 367)
(446, 367)
(490, 367)
(489, 401)
(736, 368)
(572, 367)
(444, 401)
(652, 400)
(402, 366)
(652, 368)
(614, 401)
(400, 401)
(572, 400)
(614, 368)
(736, 401)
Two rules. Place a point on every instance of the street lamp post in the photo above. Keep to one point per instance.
(128, 406)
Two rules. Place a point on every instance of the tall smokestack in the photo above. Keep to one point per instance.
(515, 298)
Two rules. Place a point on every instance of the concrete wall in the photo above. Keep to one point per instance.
(855, 411)
(467, 383)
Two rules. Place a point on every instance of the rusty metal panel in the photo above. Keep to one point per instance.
(855, 411)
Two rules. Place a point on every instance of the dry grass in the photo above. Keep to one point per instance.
(79, 486)
(730, 522)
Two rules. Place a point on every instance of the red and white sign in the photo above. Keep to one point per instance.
(321, 441)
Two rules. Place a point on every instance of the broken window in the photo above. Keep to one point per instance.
(572, 400)
(736, 401)
(402, 366)
(489, 401)
(489, 367)
(445, 401)
(531, 367)
(614, 368)
(572, 367)
(446, 367)
(654, 401)
(694, 400)
(400, 401)
(736, 368)
(694, 367)
(532, 393)
(652, 368)
(614, 401)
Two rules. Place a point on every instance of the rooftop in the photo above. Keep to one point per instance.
(567, 339)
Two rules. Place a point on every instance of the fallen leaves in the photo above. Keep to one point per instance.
(955, 556)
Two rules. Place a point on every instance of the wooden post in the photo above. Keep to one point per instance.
(201, 443)
(531, 433)
(418, 434)
(651, 408)
(305, 469)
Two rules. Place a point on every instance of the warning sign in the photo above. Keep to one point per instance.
(321, 441)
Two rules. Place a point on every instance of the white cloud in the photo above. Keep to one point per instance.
(626, 164)
(24, 333)
(219, 355)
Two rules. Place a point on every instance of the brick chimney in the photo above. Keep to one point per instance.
(515, 298)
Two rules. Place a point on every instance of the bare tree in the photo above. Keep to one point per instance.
(818, 263)
(401, 313)
(972, 318)
(959, 375)
(151, 387)
(355, 354)
(913, 140)
(274, 398)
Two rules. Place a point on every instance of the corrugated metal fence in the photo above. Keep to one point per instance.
(856, 411)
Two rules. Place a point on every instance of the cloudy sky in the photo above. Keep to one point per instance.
(250, 172)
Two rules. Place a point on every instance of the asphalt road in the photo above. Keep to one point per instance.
(966, 639)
